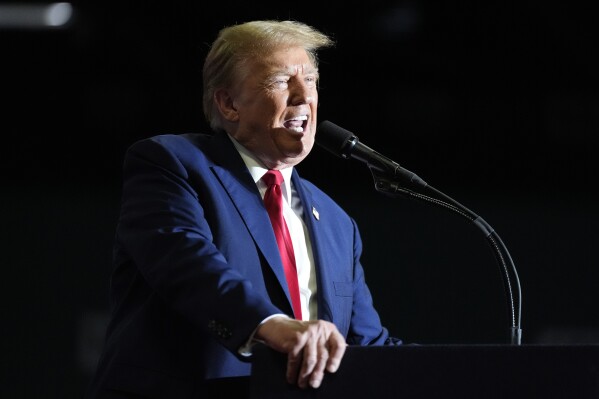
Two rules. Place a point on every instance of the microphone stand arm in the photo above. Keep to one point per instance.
(508, 270)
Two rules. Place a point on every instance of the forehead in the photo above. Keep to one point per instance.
(286, 60)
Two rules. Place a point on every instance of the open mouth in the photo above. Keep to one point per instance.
(297, 124)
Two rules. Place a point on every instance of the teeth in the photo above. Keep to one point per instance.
(296, 123)
(300, 118)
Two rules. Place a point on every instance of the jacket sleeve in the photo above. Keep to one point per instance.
(164, 232)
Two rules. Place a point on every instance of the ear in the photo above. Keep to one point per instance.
(225, 105)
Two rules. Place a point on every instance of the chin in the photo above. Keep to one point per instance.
(295, 157)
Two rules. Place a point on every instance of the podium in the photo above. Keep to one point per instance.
(442, 371)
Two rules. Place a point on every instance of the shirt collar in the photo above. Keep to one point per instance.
(257, 169)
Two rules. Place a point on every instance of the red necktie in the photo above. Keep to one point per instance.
(273, 200)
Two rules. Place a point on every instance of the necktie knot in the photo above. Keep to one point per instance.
(273, 177)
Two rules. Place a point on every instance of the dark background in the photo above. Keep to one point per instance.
(494, 103)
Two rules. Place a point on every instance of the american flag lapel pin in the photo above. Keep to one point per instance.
(315, 213)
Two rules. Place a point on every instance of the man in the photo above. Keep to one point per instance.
(198, 277)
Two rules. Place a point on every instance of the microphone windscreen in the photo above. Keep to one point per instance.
(332, 137)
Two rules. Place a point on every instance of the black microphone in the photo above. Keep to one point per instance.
(345, 144)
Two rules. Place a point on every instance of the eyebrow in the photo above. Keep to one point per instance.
(291, 70)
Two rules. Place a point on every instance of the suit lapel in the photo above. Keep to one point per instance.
(316, 232)
(239, 185)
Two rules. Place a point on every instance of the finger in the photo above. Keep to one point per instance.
(321, 361)
(308, 361)
(294, 361)
(337, 346)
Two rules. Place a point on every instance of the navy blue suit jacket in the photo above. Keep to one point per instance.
(197, 268)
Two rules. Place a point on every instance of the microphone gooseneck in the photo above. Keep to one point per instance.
(391, 179)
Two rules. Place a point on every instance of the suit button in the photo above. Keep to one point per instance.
(219, 329)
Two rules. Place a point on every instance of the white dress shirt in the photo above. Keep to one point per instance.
(293, 214)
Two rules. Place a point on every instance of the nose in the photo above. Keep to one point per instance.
(302, 93)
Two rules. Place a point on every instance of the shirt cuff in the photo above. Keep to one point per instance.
(246, 349)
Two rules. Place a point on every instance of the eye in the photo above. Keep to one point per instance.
(311, 80)
(278, 81)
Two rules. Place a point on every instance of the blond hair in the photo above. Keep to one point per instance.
(236, 44)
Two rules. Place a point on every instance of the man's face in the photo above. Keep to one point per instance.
(275, 107)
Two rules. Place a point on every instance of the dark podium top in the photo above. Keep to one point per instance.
(442, 371)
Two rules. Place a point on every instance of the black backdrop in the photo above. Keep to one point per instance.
(495, 104)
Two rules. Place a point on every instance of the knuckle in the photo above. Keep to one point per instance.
(323, 355)
(310, 361)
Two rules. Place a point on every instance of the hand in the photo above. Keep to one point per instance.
(311, 347)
